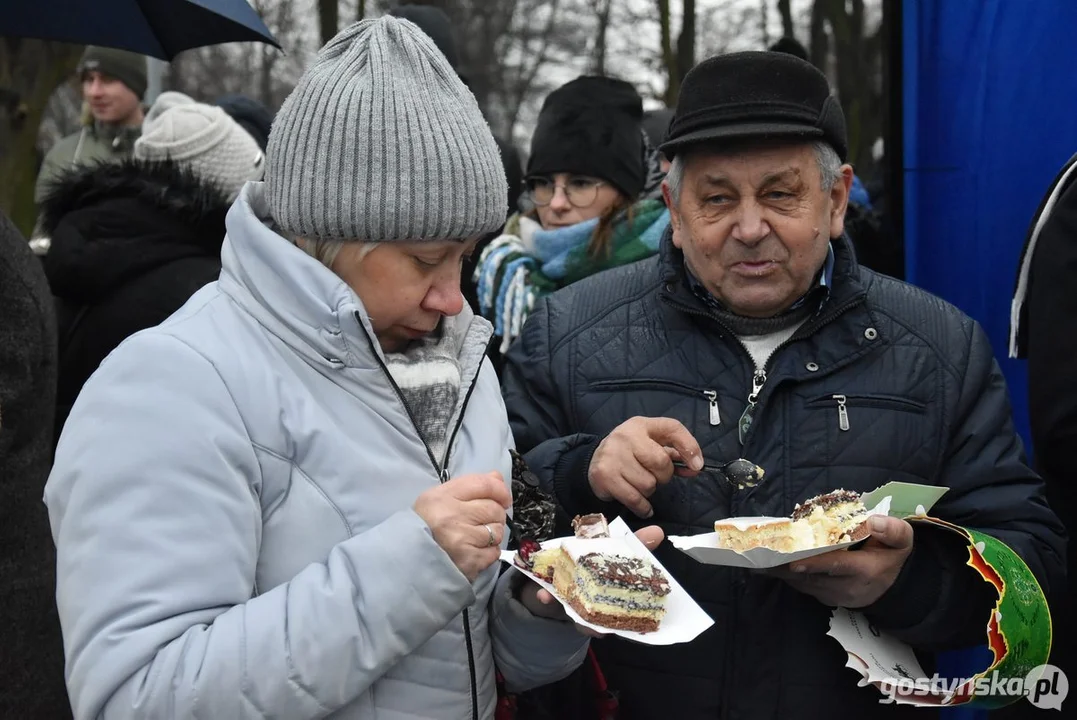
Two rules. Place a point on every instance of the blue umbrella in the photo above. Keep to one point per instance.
(160, 28)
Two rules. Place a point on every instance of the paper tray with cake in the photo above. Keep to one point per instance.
(832, 521)
(608, 581)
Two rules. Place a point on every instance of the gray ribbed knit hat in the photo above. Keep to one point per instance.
(381, 141)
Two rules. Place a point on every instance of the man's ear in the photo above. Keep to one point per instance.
(839, 200)
(674, 213)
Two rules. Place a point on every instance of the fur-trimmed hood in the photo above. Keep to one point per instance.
(111, 222)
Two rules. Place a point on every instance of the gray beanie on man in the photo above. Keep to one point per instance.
(381, 141)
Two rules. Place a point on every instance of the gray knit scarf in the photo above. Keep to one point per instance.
(428, 375)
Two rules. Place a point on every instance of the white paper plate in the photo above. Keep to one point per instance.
(704, 547)
(684, 619)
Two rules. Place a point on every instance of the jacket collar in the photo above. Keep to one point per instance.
(304, 303)
(120, 138)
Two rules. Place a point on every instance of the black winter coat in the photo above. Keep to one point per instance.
(130, 244)
(1047, 336)
(32, 653)
(926, 403)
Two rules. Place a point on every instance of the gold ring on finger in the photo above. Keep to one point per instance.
(493, 539)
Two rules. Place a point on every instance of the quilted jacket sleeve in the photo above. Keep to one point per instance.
(530, 651)
(154, 510)
(534, 397)
(938, 602)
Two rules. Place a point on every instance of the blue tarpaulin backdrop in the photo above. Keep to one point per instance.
(990, 115)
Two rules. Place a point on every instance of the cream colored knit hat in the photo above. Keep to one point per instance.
(204, 139)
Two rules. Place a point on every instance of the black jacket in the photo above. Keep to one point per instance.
(1046, 334)
(32, 654)
(926, 403)
(130, 244)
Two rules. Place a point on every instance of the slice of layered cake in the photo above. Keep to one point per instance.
(591, 526)
(599, 577)
(609, 587)
(538, 560)
(781, 534)
(829, 519)
(531, 556)
(835, 517)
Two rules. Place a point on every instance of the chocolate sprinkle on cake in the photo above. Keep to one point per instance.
(824, 502)
(627, 572)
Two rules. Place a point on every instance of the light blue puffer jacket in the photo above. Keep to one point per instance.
(231, 503)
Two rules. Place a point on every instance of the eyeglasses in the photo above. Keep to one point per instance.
(581, 192)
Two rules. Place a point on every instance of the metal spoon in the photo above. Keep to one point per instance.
(739, 473)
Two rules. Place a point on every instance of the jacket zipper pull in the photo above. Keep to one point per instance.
(712, 398)
(445, 474)
(745, 422)
(843, 413)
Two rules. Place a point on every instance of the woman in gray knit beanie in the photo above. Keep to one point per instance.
(296, 506)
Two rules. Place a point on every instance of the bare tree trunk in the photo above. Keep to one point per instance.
(686, 42)
(602, 11)
(786, 11)
(29, 71)
(820, 44)
(328, 19)
(764, 22)
(669, 60)
(855, 70)
(360, 11)
(527, 77)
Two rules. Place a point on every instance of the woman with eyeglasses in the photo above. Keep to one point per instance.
(592, 179)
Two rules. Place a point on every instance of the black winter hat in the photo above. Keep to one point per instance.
(656, 124)
(127, 67)
(253, 116)
(436, 24)
(757, 94)
(790, 46)
(592, 126)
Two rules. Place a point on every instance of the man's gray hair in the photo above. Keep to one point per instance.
(826, 157)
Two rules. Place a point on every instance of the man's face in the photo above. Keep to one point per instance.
(754, 223)
(110, 100)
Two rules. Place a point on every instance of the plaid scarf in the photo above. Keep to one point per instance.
(513, 272)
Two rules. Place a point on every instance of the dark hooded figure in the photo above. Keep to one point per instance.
(790, 46)
(1043, 317)
(130, 244)
(32, 659)
(252, 116)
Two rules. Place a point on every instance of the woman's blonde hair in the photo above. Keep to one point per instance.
(326, 251)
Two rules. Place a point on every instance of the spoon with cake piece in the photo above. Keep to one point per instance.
(739, 473)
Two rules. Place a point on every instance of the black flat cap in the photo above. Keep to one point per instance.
(758, 94)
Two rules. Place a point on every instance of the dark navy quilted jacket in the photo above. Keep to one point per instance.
(925, 402)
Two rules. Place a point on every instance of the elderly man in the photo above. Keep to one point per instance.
(755, 334)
